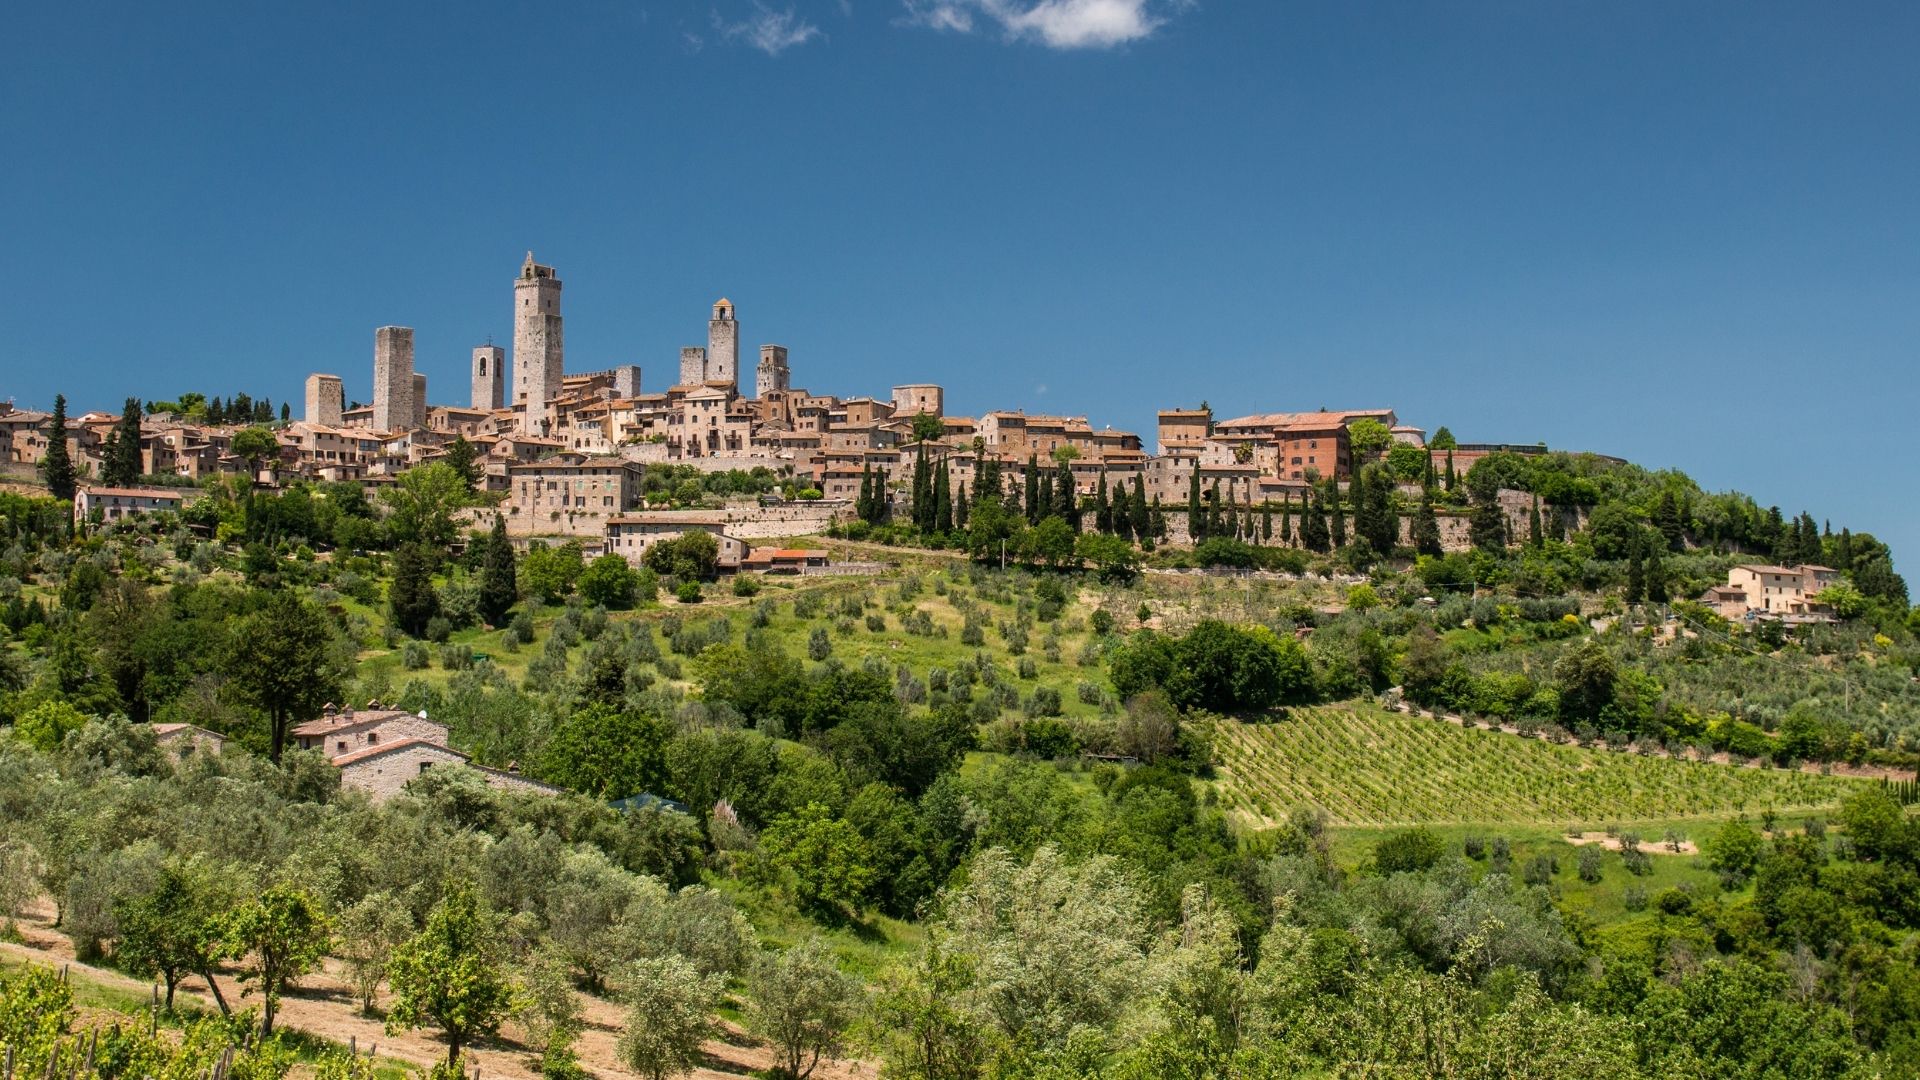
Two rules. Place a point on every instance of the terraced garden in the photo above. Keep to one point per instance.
(1369, 767)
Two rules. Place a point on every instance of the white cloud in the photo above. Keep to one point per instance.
(1057, 24)
(770, 31)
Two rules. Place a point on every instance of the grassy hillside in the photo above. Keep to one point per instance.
(1366, 766)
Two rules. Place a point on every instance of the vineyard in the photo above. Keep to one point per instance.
(1366, 766)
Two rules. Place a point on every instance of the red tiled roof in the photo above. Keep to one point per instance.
(387, 748)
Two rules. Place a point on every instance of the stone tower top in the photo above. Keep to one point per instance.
(723, 310)
(533, 271)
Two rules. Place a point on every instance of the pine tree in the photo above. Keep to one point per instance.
(57, 466)
(1137, 506)
(498, 588)
(942, 501)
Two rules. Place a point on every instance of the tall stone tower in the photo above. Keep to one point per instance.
(393, 378)
(538, 348)
(693, 365)
(723, 344)
(325, 400)
(772, 374)
(489, 377)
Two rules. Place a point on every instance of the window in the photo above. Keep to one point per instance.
(425, 765)
(342, 746)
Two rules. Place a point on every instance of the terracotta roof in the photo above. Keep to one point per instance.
(359, 718)
(138, 493)
(1283, 419)
(377, 750)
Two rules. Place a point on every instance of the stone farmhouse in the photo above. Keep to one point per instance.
(113, 504)
(630, 536)
(1786, 593)
(379, 750)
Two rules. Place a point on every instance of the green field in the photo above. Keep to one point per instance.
(1369, 767)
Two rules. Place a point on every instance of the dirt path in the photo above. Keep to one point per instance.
(323, 1005)
(1649, 845)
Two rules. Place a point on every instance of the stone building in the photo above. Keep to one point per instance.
(631, 535)
(723, 344)
(915, 398)
(570, 493)
(489, 377)
(539, 347)
(116, 504)
(379, 751)
(772, 376)
(393, 383)
(326, 399)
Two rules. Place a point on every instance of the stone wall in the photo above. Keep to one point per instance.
(384, 775)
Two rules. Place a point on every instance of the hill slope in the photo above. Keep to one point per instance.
(1367, 766)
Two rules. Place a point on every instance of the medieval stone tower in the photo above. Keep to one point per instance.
(693, 365)
(325, 400)
(772, 375)
(393, 378)
(538, 348)
(489, 377)
(723, 344)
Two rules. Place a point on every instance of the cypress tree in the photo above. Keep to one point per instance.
(1102, 508)
(1120, 516)
(961, 505)
(1450, 475)
(882, 509)
(410, 598)
(1137, 506)
(1363, 527)
(1034, 509)
(863, 506)
(1010, 498)
(498, 588)
(1216, 524)
(1557, 523)
(1157, 520)
(942, 501)
(1064, 503)
(1336, 518)
(286, 411)
(923, 515)
(57, 466)
(1266, 522)
(121, 464)
(1286, 519)
(1314, 534)
(1535, 537)
(1196, 521)
(1426, 527)
(1636, 576)
(1656, 575)
(1043, 499)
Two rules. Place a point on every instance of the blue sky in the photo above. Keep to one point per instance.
(1685, 234)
